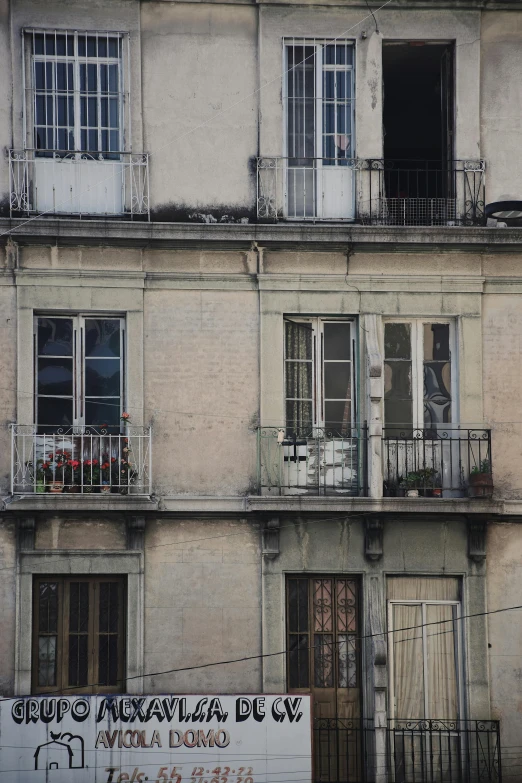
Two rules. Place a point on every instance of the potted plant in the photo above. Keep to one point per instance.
(411, 483)
(72, 475)
(481, 480)
(91, 475)
(105, 474)
(55, 468)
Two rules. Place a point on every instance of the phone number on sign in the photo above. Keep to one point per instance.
(175, 775)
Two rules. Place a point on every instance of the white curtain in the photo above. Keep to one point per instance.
(413, 649)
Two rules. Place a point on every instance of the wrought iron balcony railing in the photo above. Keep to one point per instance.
(373, 191)
(79, 183)
(80, 460)
(444, 751)
(445, 462)
(312, 461)
(343, 750)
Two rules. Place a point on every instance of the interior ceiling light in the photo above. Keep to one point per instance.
(504, 210)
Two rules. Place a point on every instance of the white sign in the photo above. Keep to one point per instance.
(160, 739)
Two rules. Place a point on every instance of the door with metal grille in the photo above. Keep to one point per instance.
(323, 659)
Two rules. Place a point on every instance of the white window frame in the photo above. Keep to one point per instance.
(423, 603)
(318, 398)
(417, 366)
(29, 85)
(79, 399)
(320, 68)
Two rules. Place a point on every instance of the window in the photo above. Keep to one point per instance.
(79, 372)
(418, 375)
(319, 376)
(322, 629)
(425, 647)
(319, 102)
(76, 96)
(78, 634)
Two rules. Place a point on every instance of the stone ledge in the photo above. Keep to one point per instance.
(326, 236)
(81, 503)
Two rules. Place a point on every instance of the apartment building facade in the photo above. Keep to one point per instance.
(260, 358)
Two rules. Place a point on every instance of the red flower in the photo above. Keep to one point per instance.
(95, 462)
(45, 465)
(113, 459)
(125, 416)
(51, 456)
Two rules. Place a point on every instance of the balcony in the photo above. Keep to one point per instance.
(377, 192)
(351, 750)
(444, 751)
(440, 463)
(80, 460)
(79, 183)
(314, 462)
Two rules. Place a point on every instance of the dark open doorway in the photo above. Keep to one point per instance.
(418, 101)
(418, 128)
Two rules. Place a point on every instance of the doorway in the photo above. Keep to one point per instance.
(418, 129)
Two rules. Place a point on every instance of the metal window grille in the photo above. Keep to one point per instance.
(75, 96)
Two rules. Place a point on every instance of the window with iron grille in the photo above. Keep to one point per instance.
(322, 630)
(75, 93)
(78, 634)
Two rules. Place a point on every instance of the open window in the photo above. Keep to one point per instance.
(321, 439)
(319, 108)
(418, 125)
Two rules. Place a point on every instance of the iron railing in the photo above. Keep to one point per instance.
(444, 751)
(81, 460)
(444, 462)
(312, 461)
(374, 191)
(342, 749)
(79, 183)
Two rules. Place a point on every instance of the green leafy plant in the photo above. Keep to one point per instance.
(484, 466)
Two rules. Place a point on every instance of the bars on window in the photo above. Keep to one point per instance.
(322, 627)
(77, 92)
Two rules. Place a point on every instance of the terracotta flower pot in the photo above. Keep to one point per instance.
(56, 487)
(480, 485)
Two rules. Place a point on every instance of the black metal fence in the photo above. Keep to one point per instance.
(445, 462)
(341, 750)
(312, 461)
(421, 192)
(444, 751)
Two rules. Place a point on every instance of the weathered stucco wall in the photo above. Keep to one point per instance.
(504, 588)
(7, 604)
(501, 103)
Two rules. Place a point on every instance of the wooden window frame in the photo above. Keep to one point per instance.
(61, 683)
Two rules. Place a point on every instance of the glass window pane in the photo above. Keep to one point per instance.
(397, 341)
(337, 380)
(347, 646)
(113, 113)
(92, 77)
(437, 393)
(299, 380)
(113, 47)
(49, 44)
(102, 47)
(38, 43)
(99, 412)
(47, 661)
(108, 660)
(55, 336)
(81, 47)
(397, 380)
(54, 412)
(337, 344)
(109, 607)
(48, 607)
(61, 76)
(338, 418)
(323, 661)
(104, 106)
(436, 342)
(39, 75)
(91, 46)
(298, 661)
(113, 78)
(60, 45)
(297, 605)
(408, 663)
(398, 412)
(299, 417)
(442, 661)
(55, 377)
(298, 340)
(102, 377)
(102, 337)
(78, 660)
(79, 607)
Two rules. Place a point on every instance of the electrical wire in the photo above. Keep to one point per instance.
(206, 122)
(262, 656)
